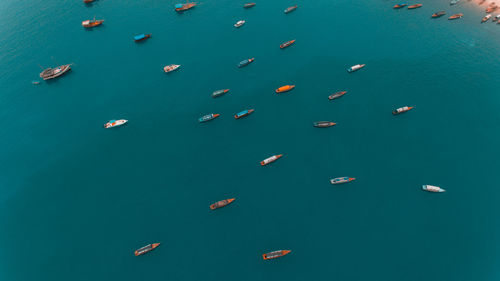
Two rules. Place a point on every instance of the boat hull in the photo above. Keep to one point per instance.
(64, 69)
(222, 203)
(285, 88)
(337, 95)
(243, 113)
(146, 249)
(275, 254)
(341, 180)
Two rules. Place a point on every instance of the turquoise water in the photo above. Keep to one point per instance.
(77, 200)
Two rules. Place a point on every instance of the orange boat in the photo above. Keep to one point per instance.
(285, 88)
(456, 16)
(91, 23)
(145, 249)
(275, 254)
(399, 6)
(415, 6)
(221, 203)
(286, 44)
(185, 6)
(270, 159)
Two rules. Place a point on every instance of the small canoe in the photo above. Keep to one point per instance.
(141, 37)
(285, 88)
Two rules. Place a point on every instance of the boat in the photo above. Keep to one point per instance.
(456, 16)
(286, 44)
(51, 73)
(35, 82)
(414, 6)
(270, 159)
(141, 37)
(115, 123)
(496, 18)
(219, 93)
(432, 188)
(486, 18)
(245, 62)
(88, 1)
(290, 9)
(243, 113)
(145, 249)
(248, 5)
(239, 23)
(337, 95)
(453, 2)
(491, 9)
(184, 6)
(438, 14)
(171, 67)
(275, 254)
(399, 6)
(402, 109)
(208, 117)
(91, 23)
(323, 124)
(285, 88)
(355, 67)
(341, 180)
(221, 203)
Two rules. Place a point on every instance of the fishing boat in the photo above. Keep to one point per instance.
(184, 6)
(432, 188)
(270, 159)
(219, 93)
(486, 18)
(91, 23)
(453, 2)
(51, 73)
(402, 109)
(491, 9)
(208, 117)
(145, 249)
(323, 124)
(239, 23)
(275, 254)
(337, 95)
(456, 16)
(290, 9)
(171, 67)
(355, 67)
(414, 6)
(115, 123)
(285, 88)
(286, 44)
(243, 113)
(341, 180)
(399, 6)
(141, 37)
(245, 62)
(248, 5)
(221, 203)
(438, 14)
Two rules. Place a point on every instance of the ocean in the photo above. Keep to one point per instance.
(77, 200)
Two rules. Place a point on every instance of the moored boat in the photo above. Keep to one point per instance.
(51, 73)
(248, 5)
(286, 44)
(245, 62)
(275, 254)
(243, 113)
(219, 93)
(496, 18)
(402, 109)
(270, 159)
(432, 188)
(221, 203)
(456, 16)
(399, 6)
(145, 249)
(341, 180)
(285, 88)
(453, 2)
(486, 18)
(239, 23)
(355, 67)
(323, 124)
(208, 117)
(337, 95)
(184, 6)
(414, 6)
(91, 23)
(115, 123)
(141, 37)
(438, 14)
(171, 67)
(290, 9)
(491, 9)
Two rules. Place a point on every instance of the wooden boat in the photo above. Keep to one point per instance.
(287, 44)
(91, 23)
(248, 5)
(146, 249)
(438, 14)
(414, 6)
(270, 159)
(323, 124)
(456, 16)
(183, 7)
(51, 73)
(221, 203)
(171, 67)
(243, 113)
(337, 95)
(275, 254)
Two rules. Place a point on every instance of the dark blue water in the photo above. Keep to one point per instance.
(77, 200)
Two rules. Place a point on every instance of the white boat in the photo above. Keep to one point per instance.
(171, 67)
(115, 123)
(239, 23)
(432, 188)
(355, 67)
(486, 18)
(496, 18)
(453, 2)
(341, 180)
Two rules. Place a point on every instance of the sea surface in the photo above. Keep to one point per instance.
(76, 200)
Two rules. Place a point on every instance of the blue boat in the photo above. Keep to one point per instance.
(141, 37)
(245, 62)
(243, 113)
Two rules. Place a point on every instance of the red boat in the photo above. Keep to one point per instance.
(221, 203)
(414, 6)
(146, 249)
(286, 44)
(275, 254)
